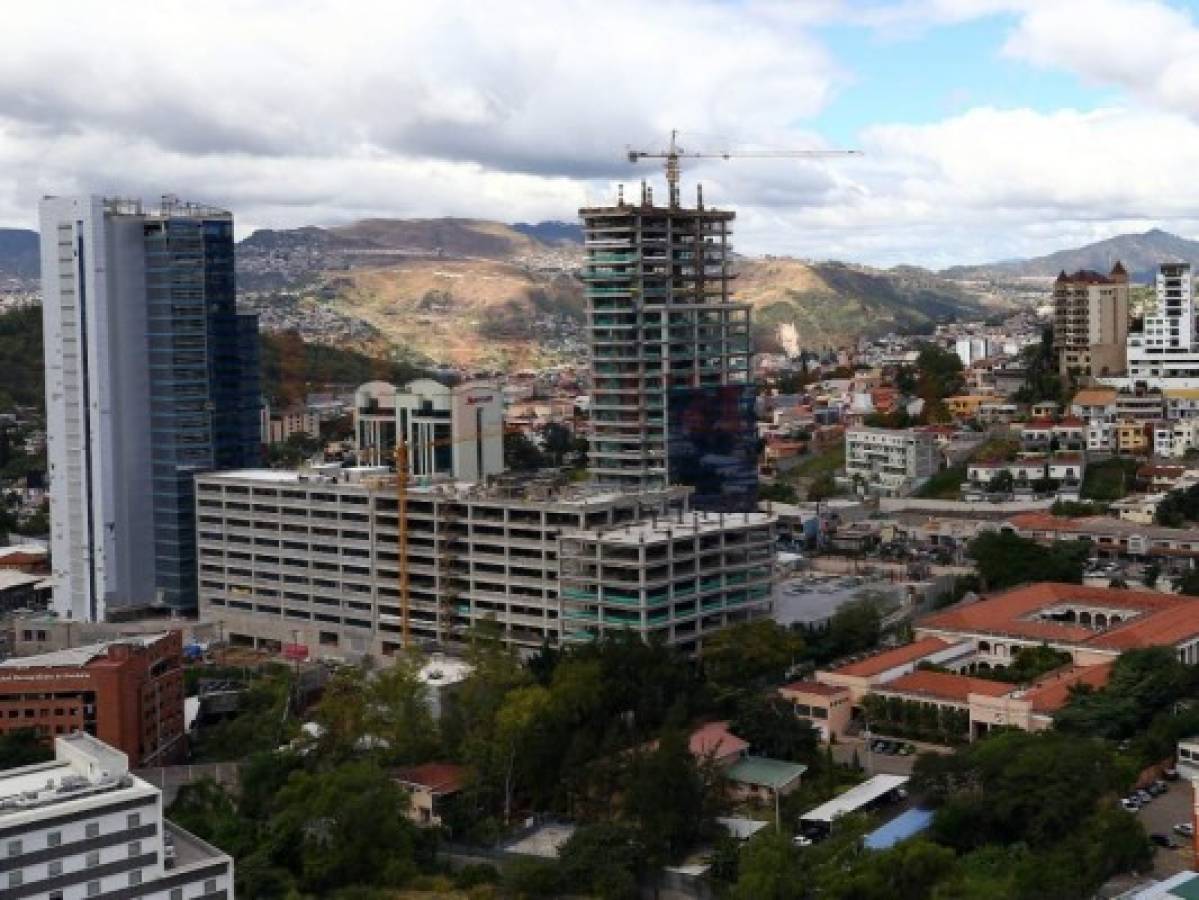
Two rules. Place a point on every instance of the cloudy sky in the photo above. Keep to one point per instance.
(991, 128)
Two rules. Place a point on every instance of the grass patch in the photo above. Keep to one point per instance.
(827, 463)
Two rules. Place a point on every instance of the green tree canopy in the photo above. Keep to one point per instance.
(1005, 559)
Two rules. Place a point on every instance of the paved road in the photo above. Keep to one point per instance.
(1162, 815)
(880, 763)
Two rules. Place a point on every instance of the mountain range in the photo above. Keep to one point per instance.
(481, 293)
(1140, 253)
(18, 253)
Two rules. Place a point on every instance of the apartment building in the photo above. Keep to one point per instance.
(126, 692)
(82, 825)
(312, 559)
(151, 376)
(454, 431)
(1166, 351)
(670, 351)
(889, 461)
(280, 424)
(1090, 322)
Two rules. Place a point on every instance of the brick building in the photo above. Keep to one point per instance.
(127, 692)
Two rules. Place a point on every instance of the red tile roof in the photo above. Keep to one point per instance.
(945, 686)
(897, 656)
(1051, 692)
(715, 739)
(1162, 629)
(440, 778)
(1151, 618)
(814, 687)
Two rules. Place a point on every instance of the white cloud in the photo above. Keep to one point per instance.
(316, 112)
(283, 97)
(1143, 46)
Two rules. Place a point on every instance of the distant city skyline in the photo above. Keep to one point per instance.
(992, 128)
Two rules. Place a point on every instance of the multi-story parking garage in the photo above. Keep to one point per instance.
(310, 559)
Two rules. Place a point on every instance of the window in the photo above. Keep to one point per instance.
(14, 878)
(92, 830)
(55, 895)
(14, 848)
(54, 868)
(54, 839)
(135, 877)
(210, 886)
(93, 858)
(133, 820)
(135, 848)
(93, 889)
(176, 894)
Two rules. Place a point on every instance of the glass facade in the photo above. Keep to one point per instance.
(713, 445)
(204, 383)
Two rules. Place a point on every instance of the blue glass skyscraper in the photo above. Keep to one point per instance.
(152, 376)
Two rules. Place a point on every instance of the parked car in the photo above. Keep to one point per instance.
(1186, 829)
(801, 840)
(1158, 788)
(1128, 804)
(1144, 797)
(878, 746)
(1163, 840)
(907, 750)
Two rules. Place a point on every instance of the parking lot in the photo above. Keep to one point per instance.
(1160, 816)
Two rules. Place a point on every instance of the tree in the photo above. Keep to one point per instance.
(1142, 683)
(521, 454)
(772, 729)
(749, 654)
(22, 747)
(1188, 583)
(1001, 482)
(1005, 559)
(318, 833)
(668, 797)
(939, 373)
(822, 487)
(770, 869)
(606, 857)
(515, 723)
(557, 441)
(398, 711)
(778, 491)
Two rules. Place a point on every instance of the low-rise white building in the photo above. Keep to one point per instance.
(82, 825)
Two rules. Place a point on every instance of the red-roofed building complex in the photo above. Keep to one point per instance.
(1093, 625)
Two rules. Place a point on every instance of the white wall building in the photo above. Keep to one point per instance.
(83, 826)
(1166, 352)
(889, 461)
(456, 431)
(97, 406)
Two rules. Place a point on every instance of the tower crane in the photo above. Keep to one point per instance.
(673, 153)
(403, 468)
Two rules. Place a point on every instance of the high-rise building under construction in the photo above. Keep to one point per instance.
(671, 399)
